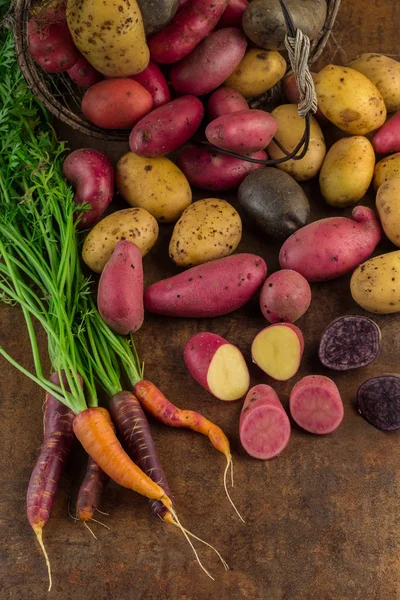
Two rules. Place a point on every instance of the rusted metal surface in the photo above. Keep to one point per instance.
(322, 519)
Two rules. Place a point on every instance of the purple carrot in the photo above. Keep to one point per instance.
(92, 487)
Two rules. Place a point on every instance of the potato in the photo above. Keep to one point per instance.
(232, 15)
(114, 42)
(375, 284)
(347, 171)
(387, 138)
(210, 63)
(388, 205)
(257, 72)
(378, 401)
(277, 350)
(223, 101)
(132, 224)
(349, 100)
(274, 202)
(316, 405)
(208, 229)
(264, 23)
(155, 184)
(83, 74)
(292, 94)
(387, 168)
(384, 72)
(153, 80)
(242, 132)
(157, 14)
(285, 296)
(290, 131)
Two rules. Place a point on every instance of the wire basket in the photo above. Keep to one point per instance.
(63, 98)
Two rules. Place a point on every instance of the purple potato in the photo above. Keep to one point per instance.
(349, 342)
(378, 401)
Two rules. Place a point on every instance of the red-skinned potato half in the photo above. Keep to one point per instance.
(278, 350)
(217, 365)
(91, 174)
(316, 404)
(116, 103)
(83, 74)
(285, 296)
(264, 426)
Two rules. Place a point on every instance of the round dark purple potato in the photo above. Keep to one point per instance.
(379, 402)
(349, 342)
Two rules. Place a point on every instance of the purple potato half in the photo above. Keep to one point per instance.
(378, 402)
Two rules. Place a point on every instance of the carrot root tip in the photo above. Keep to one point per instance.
(228, 464)
(90, 529)
(38, 529)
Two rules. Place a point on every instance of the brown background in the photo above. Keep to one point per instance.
(322, 519)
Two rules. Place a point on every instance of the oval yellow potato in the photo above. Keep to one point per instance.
(155, 184)
(290, 131)
(387, 168)
(384, 72)
(349, 100)
(208, 229)
(258, 71)
(388, 206)
(375, 285)
(347, 171)
(133, 224)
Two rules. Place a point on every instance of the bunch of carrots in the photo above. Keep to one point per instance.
(40, 272)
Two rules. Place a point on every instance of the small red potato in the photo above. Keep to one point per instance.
(264, 426)
(285, 296)
(120, 291)
(387, 138)
(209, 170)
(277, 350)
(291, 92)
(91, 174)
(225, 101)
(83, 74)
(217, 365)
(153, 80)
(167, 127)
(210, 64)
(242, 132)
(116, 103)
(316, 404)
(232, 15)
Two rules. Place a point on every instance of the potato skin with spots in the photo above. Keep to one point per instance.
(258, 71)
(155, 184)
(384, 72)
(349, 100)
(386, 169)
(207, 230)
(242, 132)
(110, 35)
(388, 206)
(347, 171)
(290, 131)
(132, 224)
(375, 285)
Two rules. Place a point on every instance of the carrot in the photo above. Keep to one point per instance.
(155, 403)
(45, 477)
(90, 493)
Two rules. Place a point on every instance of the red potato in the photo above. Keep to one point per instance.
(285, 296)
(232, 15)
(264, 426)
(50, 41)
(278, 350)
(291, 91)
(209, 170)
(316, 404)
(116, 103)
(167, 127)
(217, 365)
(225, 100)
(208, 290)
(83, 74)
(91, 174)
(387, 138)
(242, 132)
(153, 80)
(210, 63)
(120, 292)
(332, 247)
(192, 23)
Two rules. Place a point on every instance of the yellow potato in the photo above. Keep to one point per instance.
(387, 168)
(290, 131)
(208, 229)
(110, 35)
(349, 100)
(347, 171)
(155, 184)
(133, 224)
(375, 284)
(388, 205)
(258, 71)
(384, 72)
